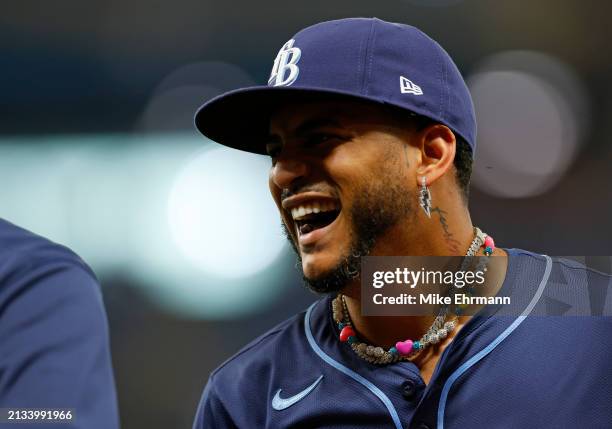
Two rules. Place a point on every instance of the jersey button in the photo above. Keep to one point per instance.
(409, 389)
(423, 426)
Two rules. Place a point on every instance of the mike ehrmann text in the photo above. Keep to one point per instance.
(437, 299)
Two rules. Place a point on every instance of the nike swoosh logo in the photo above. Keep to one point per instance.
(279, 403)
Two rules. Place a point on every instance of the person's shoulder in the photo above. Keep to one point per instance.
(584, 283)
(273, 351)
(53, 329)
(567, 269)
(37, 273)
(23, 253)
(576, 285)
(277, 354)
(596, 267)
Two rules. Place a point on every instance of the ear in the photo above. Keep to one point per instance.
(438, 146)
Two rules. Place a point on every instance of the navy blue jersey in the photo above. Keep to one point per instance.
(54, 346)
(528, 370)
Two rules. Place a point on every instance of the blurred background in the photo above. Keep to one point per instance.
(98, 152)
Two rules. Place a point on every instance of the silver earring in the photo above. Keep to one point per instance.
(425, 197)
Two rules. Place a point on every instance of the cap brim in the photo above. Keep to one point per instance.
(240, 119)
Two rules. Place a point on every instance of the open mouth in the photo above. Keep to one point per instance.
(313, 216)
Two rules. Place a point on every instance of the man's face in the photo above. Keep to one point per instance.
(341, 179)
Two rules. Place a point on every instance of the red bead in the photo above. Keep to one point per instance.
(346, 332)
(489, 242)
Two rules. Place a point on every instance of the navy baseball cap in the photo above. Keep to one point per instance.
(363, 58)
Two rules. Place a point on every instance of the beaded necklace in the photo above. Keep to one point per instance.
(407, 349)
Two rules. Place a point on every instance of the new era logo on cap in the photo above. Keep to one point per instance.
(409, 87)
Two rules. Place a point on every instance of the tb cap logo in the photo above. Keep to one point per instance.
(285, 70)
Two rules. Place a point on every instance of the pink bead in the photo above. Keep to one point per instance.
(404, 347)
(489, 242)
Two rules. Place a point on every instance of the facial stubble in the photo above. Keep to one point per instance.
(380, 205)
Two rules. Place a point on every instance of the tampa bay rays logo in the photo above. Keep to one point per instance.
(285, 70)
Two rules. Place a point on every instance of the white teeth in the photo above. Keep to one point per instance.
(299, 212)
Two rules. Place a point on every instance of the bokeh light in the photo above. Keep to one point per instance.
(180, 217)
(221, 214)
(531, 113)
(177, 96)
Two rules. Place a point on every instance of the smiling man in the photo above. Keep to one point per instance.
(371, 133)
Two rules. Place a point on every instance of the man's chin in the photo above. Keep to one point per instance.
(316, 267)
(329, 277)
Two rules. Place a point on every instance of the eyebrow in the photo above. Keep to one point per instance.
(314, 123)
(309, 125)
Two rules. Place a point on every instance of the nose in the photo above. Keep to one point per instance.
(287, 171)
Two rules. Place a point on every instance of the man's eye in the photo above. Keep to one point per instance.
(319, 138)
(273, 149)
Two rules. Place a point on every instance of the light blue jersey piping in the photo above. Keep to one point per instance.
(375, 390)
(488, 349)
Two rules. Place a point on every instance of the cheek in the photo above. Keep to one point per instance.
(275, 192)
(356, 165)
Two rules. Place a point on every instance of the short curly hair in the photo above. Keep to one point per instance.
(464, 162)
